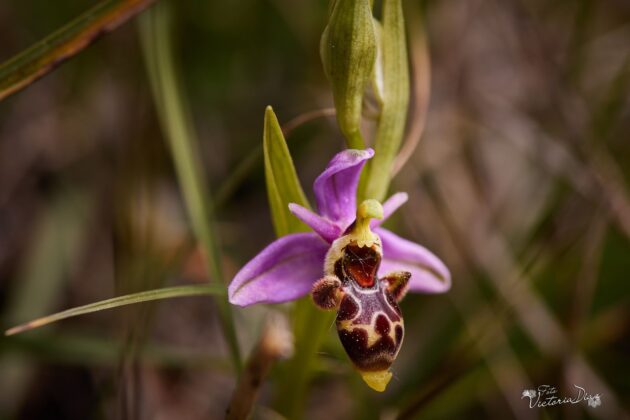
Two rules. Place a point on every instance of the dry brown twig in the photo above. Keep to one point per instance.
(276, 342)
(301, 119)
(421, 81)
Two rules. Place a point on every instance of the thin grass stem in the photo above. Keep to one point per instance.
(177, 126)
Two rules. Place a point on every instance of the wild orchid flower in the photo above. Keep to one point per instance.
(347, 266)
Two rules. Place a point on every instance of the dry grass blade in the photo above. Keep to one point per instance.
(421, 85)
(41, 58)
(301, 119)
(165, 293)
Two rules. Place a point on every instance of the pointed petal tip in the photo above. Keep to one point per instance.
(236, 298)
(446, 280)
(358, 154)
(390, 205)
(401, 196)
(236, 302)
(351, 157)
(326, 229)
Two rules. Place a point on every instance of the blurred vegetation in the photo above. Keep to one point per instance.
(520, 183)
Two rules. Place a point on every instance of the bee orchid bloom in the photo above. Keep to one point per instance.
(348, 263)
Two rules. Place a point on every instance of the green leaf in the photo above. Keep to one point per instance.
(283, 185)
(44, 56)
(149, 295)
(393, 90)
(348, 51)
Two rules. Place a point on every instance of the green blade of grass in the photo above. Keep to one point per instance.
(174, 116)
(41, 58)
(149, 295)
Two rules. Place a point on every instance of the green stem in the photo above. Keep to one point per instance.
(391, 123)
(310, 328)
(174, 117)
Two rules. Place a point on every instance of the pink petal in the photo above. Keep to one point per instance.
(428, 272)
(283, 271)
(323, 227)
(390, 206)
(336, 187)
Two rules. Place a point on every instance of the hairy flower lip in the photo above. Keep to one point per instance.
(265, 280)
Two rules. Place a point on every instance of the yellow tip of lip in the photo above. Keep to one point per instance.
(377, 380)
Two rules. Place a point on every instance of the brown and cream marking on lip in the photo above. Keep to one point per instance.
(369, 320)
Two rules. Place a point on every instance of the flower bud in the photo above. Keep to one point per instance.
(348, 51)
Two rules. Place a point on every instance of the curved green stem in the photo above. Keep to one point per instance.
(130, 299)
(174, 116)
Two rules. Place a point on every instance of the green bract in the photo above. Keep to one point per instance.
(283, 185)
(348, 50)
